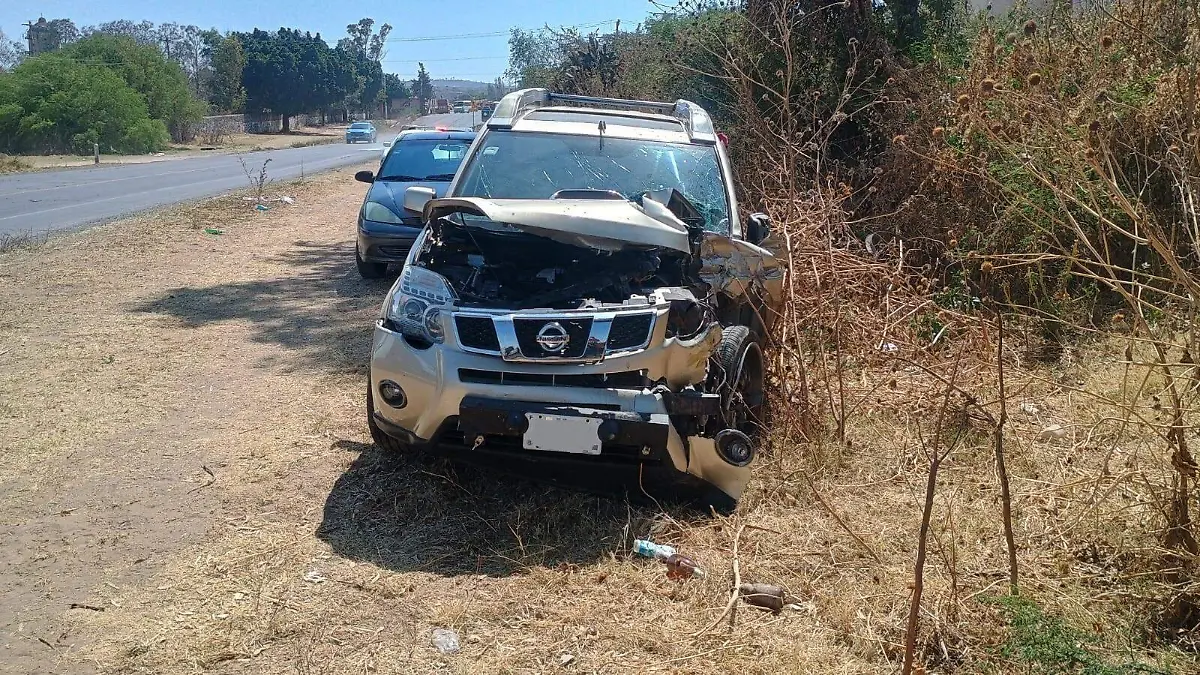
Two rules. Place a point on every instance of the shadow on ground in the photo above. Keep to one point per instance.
(416, 513)
(324, 312)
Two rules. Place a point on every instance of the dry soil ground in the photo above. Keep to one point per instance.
(187, 485)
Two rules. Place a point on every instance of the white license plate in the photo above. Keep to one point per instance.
(577, 435)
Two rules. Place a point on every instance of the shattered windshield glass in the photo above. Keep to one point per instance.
(526, 165)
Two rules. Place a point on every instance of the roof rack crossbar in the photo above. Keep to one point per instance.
(657, 106)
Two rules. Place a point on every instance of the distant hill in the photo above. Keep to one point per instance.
(451, 88)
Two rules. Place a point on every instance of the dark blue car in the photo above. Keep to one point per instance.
(416, 158)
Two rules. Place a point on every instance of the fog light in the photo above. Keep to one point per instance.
(734, 447)
(392, 394)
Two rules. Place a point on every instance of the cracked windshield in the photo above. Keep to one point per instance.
(363, 338)
(528, 165)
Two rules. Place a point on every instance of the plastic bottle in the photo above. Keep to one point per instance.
(649, 549)
(682, 567)
(678, 566)
(763, 595)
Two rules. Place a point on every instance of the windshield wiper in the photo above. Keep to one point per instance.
(401, 177)
(440, 176)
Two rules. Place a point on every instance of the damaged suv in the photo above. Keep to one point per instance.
(585, 304)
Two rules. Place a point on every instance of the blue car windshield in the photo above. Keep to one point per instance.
(360, 125)
(423, 160)
(530, 165)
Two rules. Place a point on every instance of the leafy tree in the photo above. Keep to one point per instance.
(289, 72)
(366, 50)
(11, 53)
(422, 86)
(161, 83)
(54, 103)
(395, 87)
(533, 57)
(227, 61)
(142, 32)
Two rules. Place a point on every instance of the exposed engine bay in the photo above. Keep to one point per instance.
(515, 270)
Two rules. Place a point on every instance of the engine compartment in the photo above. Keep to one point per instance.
(493, 268)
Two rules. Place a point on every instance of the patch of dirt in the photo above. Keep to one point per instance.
(133, 361)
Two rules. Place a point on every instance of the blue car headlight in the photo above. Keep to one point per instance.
(381, 214)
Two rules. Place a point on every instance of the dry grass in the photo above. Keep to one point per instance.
(9, 164)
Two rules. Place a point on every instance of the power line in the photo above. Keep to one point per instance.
(498, 33)
(463, 58)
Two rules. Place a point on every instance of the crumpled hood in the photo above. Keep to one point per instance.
(605, 224)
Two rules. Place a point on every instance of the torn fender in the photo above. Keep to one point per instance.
(739, 268)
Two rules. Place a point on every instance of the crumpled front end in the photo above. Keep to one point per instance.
(541, 349)
(624, 405)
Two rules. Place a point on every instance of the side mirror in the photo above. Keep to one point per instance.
(416, 197)
(365, 176)
(758, 228)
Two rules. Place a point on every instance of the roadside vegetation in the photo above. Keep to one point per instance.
(993, 244)
(134, 88)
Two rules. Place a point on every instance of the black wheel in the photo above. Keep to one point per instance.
(369, 270)
(737, 375)
(382, 441)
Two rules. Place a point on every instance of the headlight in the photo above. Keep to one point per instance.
(414, 305)
(380, 213)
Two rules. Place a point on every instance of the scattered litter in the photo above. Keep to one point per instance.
(262, 207)
(763, 595)
(888, 347)
(287, 200)
(239, 596)
(160, 154)
(79, 605)
(678, 566)
(1052, 432)
(213, 230)
(314, 577)
(566, 659)
(1029, 408)
(446, 640)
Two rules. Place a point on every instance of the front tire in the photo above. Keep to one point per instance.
(369, 270)
(737, 374)
(382, 441)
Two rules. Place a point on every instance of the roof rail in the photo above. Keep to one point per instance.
(695, 120)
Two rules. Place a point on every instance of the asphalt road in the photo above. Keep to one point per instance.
(69, 199)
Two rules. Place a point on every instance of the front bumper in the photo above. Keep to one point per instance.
(449, 408)
(385, 243)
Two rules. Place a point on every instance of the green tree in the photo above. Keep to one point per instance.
(422, 86)
(54, 103)
(395, 87)
(227, 60)
(11, 53)
(289, 72)
(162, 83)
(366, 49)
(533, 57)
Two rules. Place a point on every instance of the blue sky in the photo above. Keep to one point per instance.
(473, 58)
